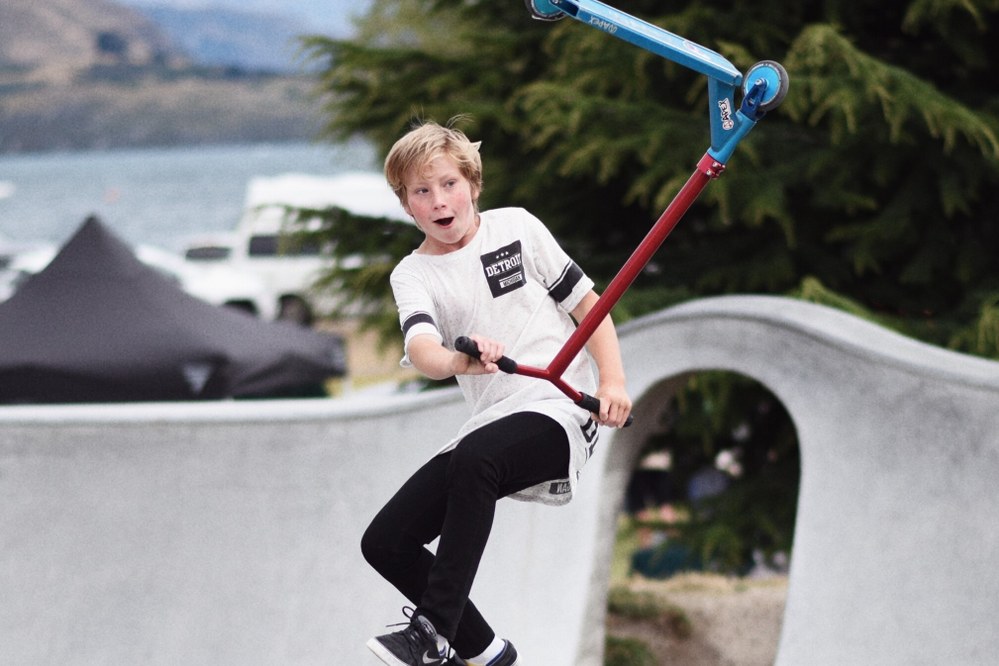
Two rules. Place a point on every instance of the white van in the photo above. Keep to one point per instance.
(291, 269)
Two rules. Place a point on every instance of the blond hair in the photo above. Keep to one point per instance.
(422, 145)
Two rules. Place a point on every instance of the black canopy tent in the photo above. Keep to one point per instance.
(98, 325)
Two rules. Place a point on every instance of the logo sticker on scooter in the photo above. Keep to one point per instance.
(606, 26)
(725, 108)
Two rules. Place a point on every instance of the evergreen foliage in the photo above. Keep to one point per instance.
(874, 180)
(872, 188)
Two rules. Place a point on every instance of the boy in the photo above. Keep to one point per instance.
(500, 278)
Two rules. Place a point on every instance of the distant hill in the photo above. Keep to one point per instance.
(54, 39)
(329, 17)
(78, 74)
(232, 38)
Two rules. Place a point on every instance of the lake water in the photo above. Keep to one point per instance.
(156, 196)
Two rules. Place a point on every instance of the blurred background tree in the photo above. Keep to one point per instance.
(871, 189)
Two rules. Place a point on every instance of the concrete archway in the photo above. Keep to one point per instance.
(227, 533)
(898, 442)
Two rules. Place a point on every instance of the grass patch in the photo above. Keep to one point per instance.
(647, 607)
(627, 652)
(625, 544)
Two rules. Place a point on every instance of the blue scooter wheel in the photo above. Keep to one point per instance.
(776, 78)
(544, 10)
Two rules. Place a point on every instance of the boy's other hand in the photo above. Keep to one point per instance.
(615, 405)
(490, 351)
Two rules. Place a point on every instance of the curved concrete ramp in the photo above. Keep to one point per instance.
(227, 533)
(896, 553)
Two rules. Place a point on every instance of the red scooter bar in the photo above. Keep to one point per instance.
(588, 402)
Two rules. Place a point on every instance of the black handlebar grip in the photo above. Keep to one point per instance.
(591, 404)
(467, 345)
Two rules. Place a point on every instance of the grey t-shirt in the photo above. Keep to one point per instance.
(512, 283)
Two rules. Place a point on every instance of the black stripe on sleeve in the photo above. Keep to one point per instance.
(563, 287)
(417, 318)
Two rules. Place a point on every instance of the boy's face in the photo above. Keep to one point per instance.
(442, 202)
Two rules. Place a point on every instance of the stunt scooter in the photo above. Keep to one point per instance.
(763, 89)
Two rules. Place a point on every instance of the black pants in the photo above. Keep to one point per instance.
(454, 496)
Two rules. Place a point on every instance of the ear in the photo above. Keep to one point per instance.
(405, 207)
(404, 202)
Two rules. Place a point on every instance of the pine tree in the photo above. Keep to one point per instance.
(872, 182)
(872, 188)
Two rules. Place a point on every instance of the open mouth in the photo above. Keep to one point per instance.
(444, 221)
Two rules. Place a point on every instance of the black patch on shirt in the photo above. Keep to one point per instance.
(559, 488)
(591, 434)
(566, 282)
(417, 318)
(504, 269)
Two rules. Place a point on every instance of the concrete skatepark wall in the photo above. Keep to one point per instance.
(227, 533)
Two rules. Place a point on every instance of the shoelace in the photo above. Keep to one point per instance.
(415, 636)
(408, 612)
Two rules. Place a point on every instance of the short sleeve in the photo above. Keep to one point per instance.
(565, 281)
(417, 311)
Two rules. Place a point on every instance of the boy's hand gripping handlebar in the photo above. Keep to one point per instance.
(466, 345)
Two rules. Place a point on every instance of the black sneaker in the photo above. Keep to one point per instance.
(416, 645)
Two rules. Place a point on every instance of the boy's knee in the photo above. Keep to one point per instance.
(385, 550)
(370, 548)
(378, 547)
